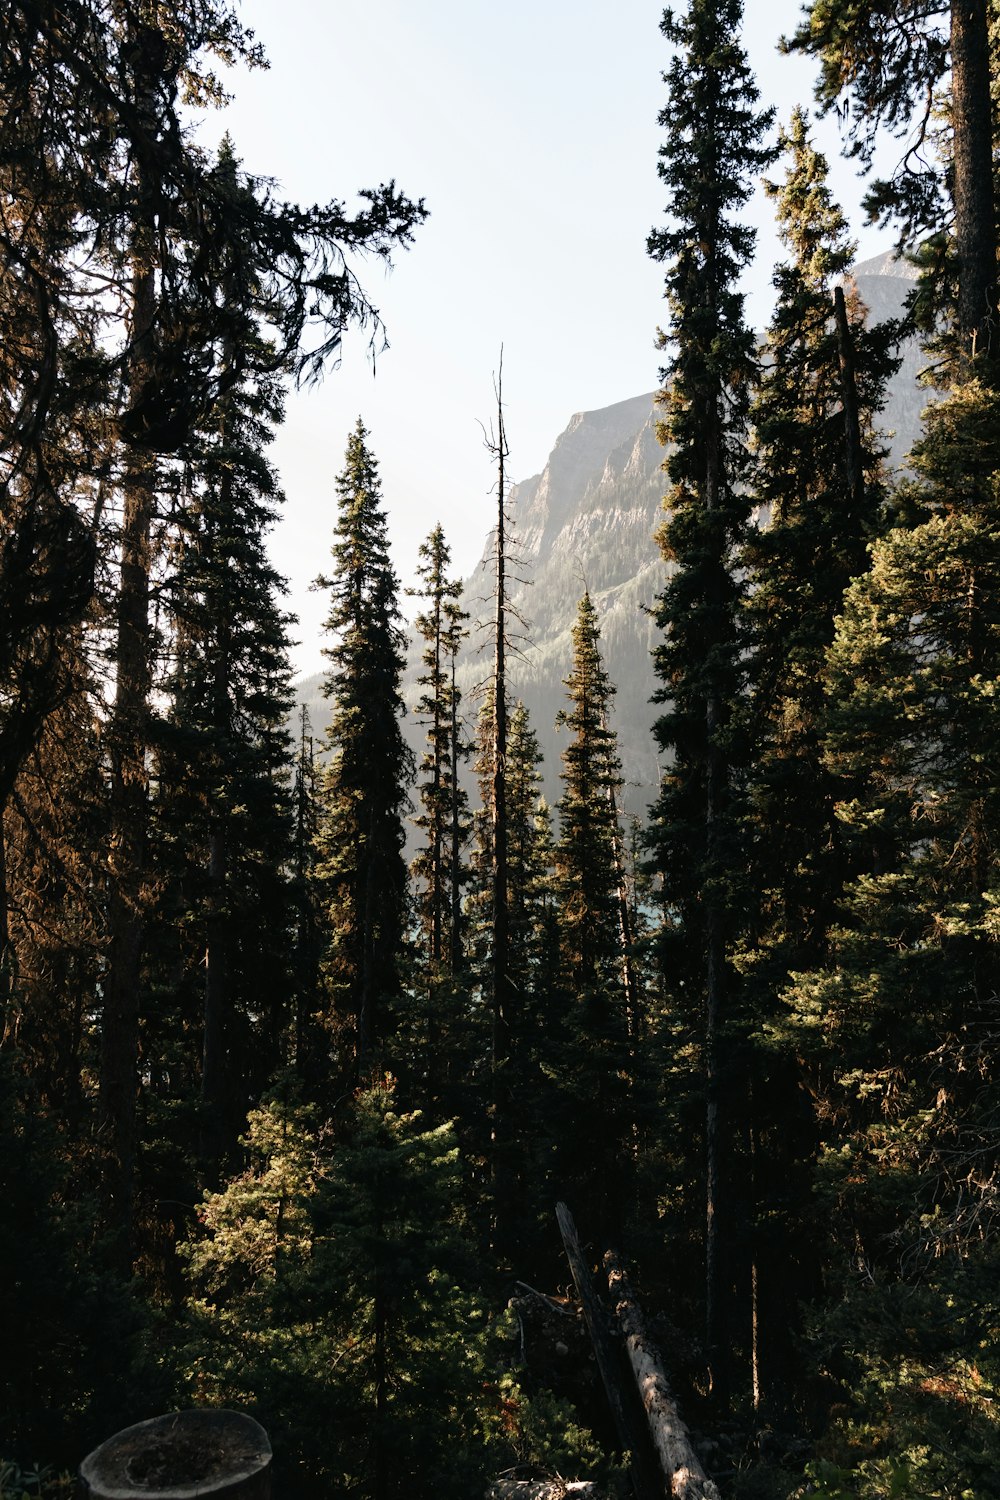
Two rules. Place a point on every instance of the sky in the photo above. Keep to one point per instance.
(530, 129)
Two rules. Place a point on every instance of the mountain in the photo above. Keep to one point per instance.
(588, 521)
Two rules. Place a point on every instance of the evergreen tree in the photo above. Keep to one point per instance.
(824, 375)
(333, 1296)
(712, 150)
(306, 916)
(224, 817)
(436, 1013)
(905, 1002)
(532, 962)
(443, 818)
(883, 68)
(360, 868)
(591, 1158)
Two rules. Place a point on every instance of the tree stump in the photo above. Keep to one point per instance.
(199, 1453)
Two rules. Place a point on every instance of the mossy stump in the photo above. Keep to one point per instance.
(181, 1456)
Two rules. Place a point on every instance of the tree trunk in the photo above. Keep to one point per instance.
(683, 1474)
(6, 954)
(128, 800)
(455, 931)
(972, 173)
(213, 1072)
(500, 1073)
(629, 1440)
(716, 782)
(849, 401)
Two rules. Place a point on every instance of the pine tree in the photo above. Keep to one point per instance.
(443, 818)
(823, 380)
(223, 806)
(360, 868)
(883, 68)
(531, 962)
(332, 1291)
(906, 1001)
(711, 152)
(592, 1162)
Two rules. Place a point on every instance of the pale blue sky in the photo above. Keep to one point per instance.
(531, 131)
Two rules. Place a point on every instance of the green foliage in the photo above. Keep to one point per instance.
(545, 1434)
(360, 872)
(443, 819)
(37, 1482)
(332, 1298)
(586, 1046)
(712, 149)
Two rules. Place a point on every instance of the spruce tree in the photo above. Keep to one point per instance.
(360, 869)
(443, 816)
(819, 512)
(712, 151)
(532, 965)
(883, 68)
(223, 813)
(333, 1291)
(436, 1010)
(591, 1156)
(898, 1027)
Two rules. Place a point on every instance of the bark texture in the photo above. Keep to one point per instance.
(683, 1474)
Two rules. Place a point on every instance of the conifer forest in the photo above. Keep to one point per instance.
(304, 1036)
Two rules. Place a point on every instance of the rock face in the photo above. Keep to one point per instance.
(884, 284)
(588, 520)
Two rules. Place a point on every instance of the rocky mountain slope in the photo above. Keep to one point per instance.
(588, 521)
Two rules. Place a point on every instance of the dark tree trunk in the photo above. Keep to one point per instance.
(717, 1307)
(972, 169)
(455, 931)
(128, 801)
(849, 401)
(213, 1073)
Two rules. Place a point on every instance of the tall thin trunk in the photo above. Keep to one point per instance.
(128, 799)
(853, 461)
(381, 1485)
(498, 809)
(972, 173)
(366, 1039)
(6, 953)
(716, 1319)
(213, 1071)
(455, 934)
(217, 978)
(502, 1122)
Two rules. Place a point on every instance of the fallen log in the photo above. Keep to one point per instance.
(682, 1470)
(640, 1467)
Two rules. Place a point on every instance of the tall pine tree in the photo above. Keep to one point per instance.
(818, 484)
(360, 868)
(712, 151)
(593, 1081)
(443, 816)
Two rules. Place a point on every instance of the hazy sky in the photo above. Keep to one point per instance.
(531, 131)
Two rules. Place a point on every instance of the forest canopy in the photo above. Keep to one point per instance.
(303, 1038)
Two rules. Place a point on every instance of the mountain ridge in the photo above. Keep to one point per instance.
(588, 521)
